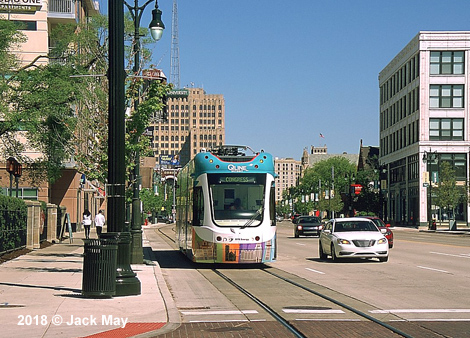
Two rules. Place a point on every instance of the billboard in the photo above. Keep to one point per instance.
(169, 160)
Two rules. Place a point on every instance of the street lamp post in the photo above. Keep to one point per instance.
(17, 174)
(126, 281)
(14, 169)
(156, 30)
(428, 158)
(349, 178)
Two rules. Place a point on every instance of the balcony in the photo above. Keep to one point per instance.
(61, 11)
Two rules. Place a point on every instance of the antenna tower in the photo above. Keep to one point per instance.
(175, 50)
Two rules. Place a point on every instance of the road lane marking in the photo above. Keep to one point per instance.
(321, 273)
(430, 320)
(446, 254)
(222, 312)
(311, 311)
(300, 244)
(218, 321)
(432, 269)
(328, 319)
(422, 311)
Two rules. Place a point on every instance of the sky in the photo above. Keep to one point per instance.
(292, 70)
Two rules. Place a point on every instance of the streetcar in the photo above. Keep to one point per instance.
(225, 206)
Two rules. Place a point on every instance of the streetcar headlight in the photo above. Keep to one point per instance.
(219, 238)
(257, 238)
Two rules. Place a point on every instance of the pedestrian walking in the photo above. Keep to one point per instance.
(86, 221)
(99, 222)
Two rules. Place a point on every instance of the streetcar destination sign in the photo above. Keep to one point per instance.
(237, 179)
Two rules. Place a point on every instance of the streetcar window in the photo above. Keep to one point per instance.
(198, 206)
(272, 205)
(237, 196)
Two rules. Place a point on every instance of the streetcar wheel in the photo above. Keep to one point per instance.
(322, 254)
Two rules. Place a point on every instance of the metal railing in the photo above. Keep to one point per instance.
(62, 6)
(12, 235)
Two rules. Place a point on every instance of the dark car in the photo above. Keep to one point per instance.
(381, 225)
(294, 217)
(307, 225)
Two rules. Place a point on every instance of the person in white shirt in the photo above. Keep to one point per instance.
(87, 222)
(99, 222)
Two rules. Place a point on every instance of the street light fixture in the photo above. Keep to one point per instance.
(14, 169)
(156, 25)
(428, 158)
(156, 29)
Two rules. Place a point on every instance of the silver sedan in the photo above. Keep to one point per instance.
(352, 238)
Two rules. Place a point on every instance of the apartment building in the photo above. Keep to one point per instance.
(36, 19)
(424, 120)
(196, 120)
(288, 171)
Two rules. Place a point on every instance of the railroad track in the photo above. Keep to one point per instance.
(269, 287)
(280, 317)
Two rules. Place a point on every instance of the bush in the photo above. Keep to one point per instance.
(13, 219)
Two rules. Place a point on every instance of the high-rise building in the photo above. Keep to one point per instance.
(196, 120)
(424, 121)
(288, 171)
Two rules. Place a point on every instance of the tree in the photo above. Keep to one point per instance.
(331, 175)
(61, 108)
(448, 193)
(368, 200)
(36, 108)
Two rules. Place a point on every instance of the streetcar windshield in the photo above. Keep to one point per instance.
(237, 197)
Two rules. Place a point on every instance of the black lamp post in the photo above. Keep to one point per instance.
(17, 173)
(428, 158)
(156, 30)
(11, 169)
(349, 178)
(14, 169)
(126, 281)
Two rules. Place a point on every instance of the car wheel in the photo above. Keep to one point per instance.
(383, 259)
(296, 234)
(322, 254)
(390, 245)
(333, 253)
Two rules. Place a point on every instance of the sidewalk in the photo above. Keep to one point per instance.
(40, 296)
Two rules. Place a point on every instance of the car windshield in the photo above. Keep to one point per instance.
(355, 226)
(309, 220)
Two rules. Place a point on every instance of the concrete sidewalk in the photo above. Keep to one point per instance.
(40, 296)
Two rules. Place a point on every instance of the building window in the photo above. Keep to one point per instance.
(26, 25)
(446, 96)
(446, 129)
(447, 62)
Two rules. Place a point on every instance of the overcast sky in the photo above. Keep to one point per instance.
(292, 70)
